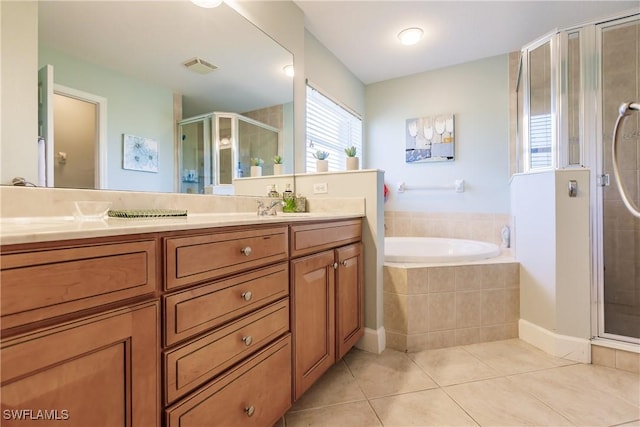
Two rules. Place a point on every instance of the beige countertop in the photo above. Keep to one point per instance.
(43, 229)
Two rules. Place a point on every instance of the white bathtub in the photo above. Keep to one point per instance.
(436, 250)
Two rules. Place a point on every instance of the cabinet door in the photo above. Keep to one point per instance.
(313, 293)
(98, 371)
(349, 298)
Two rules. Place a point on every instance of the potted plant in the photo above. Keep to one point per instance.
(353, 163)
(322, 164)
(277, 165)
(256, 166)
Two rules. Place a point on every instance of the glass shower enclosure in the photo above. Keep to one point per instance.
(216, 148)
(570, 86)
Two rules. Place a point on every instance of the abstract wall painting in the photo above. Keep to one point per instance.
(139, 153)
(430, 139)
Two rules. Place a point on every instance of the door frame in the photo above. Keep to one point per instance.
(100, 167)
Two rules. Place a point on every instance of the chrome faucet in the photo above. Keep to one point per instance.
(269, 210)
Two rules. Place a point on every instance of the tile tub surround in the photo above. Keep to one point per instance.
(486, 227)
(444, 306)
(507, 383)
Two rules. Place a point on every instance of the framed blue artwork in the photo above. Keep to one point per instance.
(430, 139)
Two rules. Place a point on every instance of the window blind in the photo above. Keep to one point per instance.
(540, 143)
(330, 128)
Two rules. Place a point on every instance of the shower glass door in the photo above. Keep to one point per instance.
(619, 292)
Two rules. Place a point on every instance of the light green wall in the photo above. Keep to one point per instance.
(134, 107)
(477, 94)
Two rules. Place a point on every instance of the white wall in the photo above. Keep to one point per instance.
(477, 93)
(552, 244)
(19, 91)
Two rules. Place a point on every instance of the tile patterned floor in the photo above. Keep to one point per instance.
(502, 383)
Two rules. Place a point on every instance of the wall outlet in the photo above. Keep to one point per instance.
(320, 188)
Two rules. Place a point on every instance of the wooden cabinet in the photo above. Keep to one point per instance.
(96, 371)
(214, 327)
(227, 355)
(313, 293)
(328, 298)
(45, 283)
(349, 298)
(254, 393)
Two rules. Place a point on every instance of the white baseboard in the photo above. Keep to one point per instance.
(373, 341)
(572, 348)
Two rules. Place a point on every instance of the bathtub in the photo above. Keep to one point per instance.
(436, 250)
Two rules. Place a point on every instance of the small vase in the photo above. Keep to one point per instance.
(353, 163)
(278, 168)
(256, 170)
(322, 165)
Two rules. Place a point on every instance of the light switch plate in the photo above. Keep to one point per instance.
(320, 188)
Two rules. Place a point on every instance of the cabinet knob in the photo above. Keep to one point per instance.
(247, 296)
(246, 251)
(344, 263)
(247, 340)
(335, 265)
(249, 410)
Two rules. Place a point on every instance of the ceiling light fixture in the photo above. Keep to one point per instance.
(410, 36)
(288, 70)
(207, 3)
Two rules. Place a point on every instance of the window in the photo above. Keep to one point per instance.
(330, 128)
(540, 141)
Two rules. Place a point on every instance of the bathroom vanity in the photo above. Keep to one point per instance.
(176, 322)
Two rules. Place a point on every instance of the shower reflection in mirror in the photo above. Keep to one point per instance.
(216, 148)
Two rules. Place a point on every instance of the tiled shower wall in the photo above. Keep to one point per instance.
(435, 307)
(485, 227)
(621, 82)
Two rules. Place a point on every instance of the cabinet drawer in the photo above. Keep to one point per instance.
(309, 238)
(196, 363)
(255, 393)
(42, 284)
(197, 309)
(194, 259)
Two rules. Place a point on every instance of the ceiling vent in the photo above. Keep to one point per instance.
(199, 65)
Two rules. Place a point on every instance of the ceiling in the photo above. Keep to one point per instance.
(150, 40)
(363, 34)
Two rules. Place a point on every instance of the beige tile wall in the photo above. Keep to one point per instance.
(435, 307)
(614, 358)
(485, 227)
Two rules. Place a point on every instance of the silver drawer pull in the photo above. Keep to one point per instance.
(249, 410)
(247, 340)
(246, 251)
(344, 263)
(247, 296)
(335, 265)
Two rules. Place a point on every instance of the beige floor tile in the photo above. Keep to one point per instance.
(586, 394)
(336, 386)
(357, 414)
(499, 401)
(453, 365)
(391, 372)
(514, 356)
(422, 408)
(635, 423)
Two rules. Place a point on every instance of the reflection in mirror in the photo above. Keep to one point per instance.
(132, 54)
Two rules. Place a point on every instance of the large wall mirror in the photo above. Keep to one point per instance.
(168, 126)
